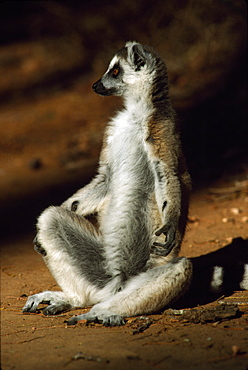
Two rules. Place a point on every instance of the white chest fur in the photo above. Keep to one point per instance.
(127, 154)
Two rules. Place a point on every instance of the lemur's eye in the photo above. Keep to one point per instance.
(115, 72)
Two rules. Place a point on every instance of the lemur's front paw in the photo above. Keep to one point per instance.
(38, 248)
(163, 249)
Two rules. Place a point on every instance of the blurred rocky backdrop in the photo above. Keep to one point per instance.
(52, 51)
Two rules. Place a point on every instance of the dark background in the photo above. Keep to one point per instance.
(50, 48)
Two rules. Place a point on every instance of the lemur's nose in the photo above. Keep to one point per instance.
(94, 86)
(99, 88)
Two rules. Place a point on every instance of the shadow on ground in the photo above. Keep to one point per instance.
(217, 273)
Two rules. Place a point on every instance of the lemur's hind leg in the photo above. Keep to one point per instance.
(73, 252)
(145, 293)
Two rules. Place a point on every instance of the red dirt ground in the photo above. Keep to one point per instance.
(34, 341)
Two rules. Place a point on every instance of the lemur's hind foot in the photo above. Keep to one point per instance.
(55, 300)
(104, 318)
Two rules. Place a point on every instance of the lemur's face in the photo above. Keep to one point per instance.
(126, 71)
(111, 82)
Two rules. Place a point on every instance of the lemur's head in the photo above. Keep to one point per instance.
(131, 71)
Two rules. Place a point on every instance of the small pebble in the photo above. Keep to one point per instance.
(244, 219)
(225, 220)
(235, 211)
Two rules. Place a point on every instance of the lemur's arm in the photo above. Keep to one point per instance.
(166, 154)
(90, 198)
(168, 196)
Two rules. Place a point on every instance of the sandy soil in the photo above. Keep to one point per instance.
(217, 217)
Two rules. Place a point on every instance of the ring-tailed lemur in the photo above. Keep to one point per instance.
(141, 193)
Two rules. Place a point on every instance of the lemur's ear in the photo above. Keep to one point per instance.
(137, 56)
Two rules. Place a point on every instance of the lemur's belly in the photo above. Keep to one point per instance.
(131, 207)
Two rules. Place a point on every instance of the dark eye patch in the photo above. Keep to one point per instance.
(115, 71)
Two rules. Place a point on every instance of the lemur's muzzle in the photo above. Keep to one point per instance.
(99, 88)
